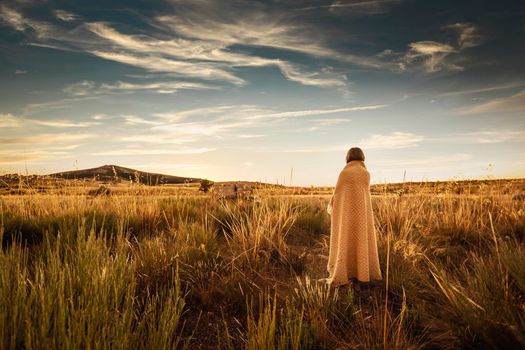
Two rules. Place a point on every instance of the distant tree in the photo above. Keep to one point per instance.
(206, 185)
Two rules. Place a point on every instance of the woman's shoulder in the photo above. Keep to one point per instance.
(359, 171)
(354, 169)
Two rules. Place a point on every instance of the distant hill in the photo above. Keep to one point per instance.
(115, 172)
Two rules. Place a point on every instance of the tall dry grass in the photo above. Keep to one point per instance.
(146, 270)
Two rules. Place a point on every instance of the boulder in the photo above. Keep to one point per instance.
(101, 191)
(233, 191)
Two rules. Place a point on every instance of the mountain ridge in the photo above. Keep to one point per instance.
(111, 172)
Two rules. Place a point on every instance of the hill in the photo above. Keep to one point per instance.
(119, 173)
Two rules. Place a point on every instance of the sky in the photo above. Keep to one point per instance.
(273, 91)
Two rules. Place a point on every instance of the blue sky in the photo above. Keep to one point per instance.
(248, 90)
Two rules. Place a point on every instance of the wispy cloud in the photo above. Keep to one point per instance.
(135, 120)
(160, 64)
(160, 151)
(52, 46)
(43, 139)
(362, 8)
(203, 51)
(356, 8)
(468, 34)
(212, 22)
(232, 121)
(203, 128)
(432, 54)
(436, 56)
(322, 149)
(216, 121)
(212, 50)
(20, 71)
(323, 78)
(427, 161)
(173, 168)
(13, 18)
(66, 16)
(13, 156)
(100, 116)
(9, 157)
(88, 87)
(156, 138)
(9, 121)
(159, 87)
(490, 136)
(504, 86)
(253, 28)
(81, 88)
(241, 110)
(185, 49)
(32, 108)
(304, 113)
(394, 140)
(40, 30)
(58, 123)
(251, 136)
(513, 103)
(331, 121)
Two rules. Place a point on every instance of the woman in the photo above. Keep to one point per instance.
(353, 246)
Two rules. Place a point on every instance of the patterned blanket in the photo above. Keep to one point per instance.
(353, 245)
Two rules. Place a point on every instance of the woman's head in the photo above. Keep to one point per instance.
(355, 153)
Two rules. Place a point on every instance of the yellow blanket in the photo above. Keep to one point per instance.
(353, 246)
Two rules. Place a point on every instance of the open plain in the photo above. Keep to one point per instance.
(172, 267)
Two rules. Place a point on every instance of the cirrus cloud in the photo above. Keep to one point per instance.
(394, 140)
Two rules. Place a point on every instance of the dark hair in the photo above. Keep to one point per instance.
(355, 153)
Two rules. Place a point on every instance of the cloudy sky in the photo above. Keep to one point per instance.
(248, 90)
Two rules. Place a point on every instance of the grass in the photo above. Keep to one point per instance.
(152, 269)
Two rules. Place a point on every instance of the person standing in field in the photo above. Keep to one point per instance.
(353, 244)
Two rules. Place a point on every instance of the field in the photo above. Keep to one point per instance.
(162, 267)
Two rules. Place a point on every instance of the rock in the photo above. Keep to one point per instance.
(101, 191)
(233, 191)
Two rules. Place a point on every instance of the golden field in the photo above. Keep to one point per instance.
(165, 267)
